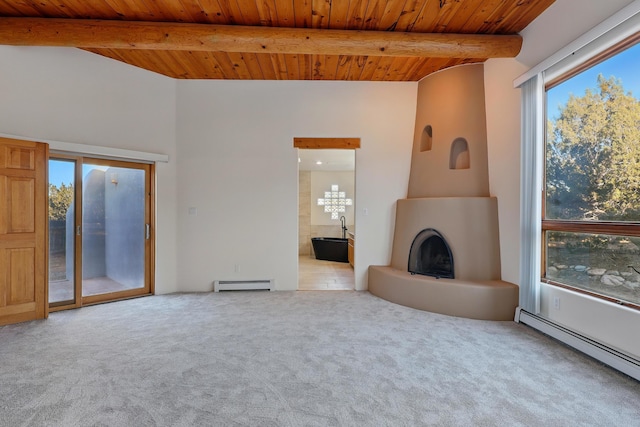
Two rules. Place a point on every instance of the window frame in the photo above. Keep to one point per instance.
(617, 228)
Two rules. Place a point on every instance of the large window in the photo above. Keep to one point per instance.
(591, 215)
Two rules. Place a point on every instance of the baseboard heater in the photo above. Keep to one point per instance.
(242, 285)
(607, 355)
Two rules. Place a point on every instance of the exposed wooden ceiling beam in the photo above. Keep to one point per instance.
(87, 33)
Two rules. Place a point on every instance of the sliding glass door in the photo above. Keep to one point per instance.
(108, 242)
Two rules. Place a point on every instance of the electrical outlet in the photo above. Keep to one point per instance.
(237, 268)
(556, 303)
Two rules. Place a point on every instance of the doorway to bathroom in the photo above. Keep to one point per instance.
(326, 219)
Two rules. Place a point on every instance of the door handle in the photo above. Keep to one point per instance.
(148, 231)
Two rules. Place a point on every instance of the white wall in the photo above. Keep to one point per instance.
(238, 167)
(603, 321)
(503, 145)
(235, 153)
(69, 95)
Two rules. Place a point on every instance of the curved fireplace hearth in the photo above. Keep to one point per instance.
(468, 226)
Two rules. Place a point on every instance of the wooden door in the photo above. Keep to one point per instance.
(23, 230)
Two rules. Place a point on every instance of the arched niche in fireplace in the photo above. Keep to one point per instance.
(426, 139)
(430, 255)
(459, 157)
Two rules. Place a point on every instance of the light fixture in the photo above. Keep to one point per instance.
(318, 162)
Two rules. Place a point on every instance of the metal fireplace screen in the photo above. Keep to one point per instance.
(430, 255)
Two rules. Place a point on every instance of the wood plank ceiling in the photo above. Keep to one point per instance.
(494, 17)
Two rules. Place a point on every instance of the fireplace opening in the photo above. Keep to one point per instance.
(430, 255)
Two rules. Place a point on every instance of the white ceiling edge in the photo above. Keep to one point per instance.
(560, 24)
(539, 31)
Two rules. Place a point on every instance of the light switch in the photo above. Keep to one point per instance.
(193, 211)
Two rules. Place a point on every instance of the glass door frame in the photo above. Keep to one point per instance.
(77, 242)
(149, 243)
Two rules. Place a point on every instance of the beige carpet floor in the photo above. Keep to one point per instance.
(297, 359)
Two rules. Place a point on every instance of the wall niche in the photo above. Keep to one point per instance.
(426, 140)
(459, 157)
(449, 156)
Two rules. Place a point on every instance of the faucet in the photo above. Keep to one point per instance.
(344, 227)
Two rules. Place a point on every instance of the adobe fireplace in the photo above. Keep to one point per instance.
(466, 225)
(448, 207)
(430, 255)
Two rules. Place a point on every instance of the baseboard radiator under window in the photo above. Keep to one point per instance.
(607, 355)
(242, 285)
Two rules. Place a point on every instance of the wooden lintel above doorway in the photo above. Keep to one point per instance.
(320, 143)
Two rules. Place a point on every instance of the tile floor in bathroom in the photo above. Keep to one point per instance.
(315, 275)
